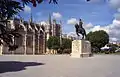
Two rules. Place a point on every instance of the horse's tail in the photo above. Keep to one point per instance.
(85, 34)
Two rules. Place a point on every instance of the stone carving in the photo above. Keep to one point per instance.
(81, 48)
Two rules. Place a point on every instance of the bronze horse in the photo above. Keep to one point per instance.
(80, 29)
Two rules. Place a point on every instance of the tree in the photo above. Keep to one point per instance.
(66, 45)
(34, 2)
(98, 39)
(53, 43)
(8, 9)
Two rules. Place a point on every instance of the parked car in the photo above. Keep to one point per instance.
(118, 50)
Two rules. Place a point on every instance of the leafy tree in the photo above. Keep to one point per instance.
(34, 2)
(66, 45)
(112, 45)
(53, 43)
(8, 8)
(98, 39)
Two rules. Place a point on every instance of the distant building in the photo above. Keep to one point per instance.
(34, 36)
(32, 40)
(64, 35)
(52, 28)
(117, 43)
(68, 36)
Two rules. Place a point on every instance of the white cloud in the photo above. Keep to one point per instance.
(27, 9)
(98, 27)
(115, 3)
(118, 9)
(72, 21)
(88, 26)
(57, 15)
(113, 30)
(116, 22)
(43, 23)
(117, 16)
(113, 39)
(73, 34)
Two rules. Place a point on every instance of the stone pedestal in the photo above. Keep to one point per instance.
(81, 48)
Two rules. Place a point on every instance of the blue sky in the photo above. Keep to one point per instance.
(96, 12)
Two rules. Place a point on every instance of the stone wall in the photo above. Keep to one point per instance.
(31, 42)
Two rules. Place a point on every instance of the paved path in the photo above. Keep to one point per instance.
(60, 66)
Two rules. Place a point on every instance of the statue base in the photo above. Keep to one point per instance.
(81, 48)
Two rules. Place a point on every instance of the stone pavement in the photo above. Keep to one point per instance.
(59, 66)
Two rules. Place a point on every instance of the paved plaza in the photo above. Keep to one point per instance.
(59, 66)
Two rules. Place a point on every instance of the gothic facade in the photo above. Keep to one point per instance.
(32, 40)
(34, 36)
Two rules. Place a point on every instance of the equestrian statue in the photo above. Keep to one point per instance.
(80, 29)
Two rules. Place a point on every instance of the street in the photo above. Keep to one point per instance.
(59, 66)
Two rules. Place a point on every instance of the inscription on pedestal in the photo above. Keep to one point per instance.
(75, 47)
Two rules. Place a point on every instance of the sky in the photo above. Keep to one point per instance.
(95, 14)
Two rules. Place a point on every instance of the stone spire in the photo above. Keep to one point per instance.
(54, 21)
(54, 27)
(31, 18)
(50, 22)
(50, 25)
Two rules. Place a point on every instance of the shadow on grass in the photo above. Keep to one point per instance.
(14, 66)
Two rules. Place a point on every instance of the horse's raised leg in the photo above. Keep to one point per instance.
(82, 36)
(77, 33)
(50, 1)
(55, 1)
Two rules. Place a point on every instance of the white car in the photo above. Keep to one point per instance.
(105, 48)
(118, 50)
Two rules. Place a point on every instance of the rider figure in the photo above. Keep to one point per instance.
(80, 23)
(80, 29)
